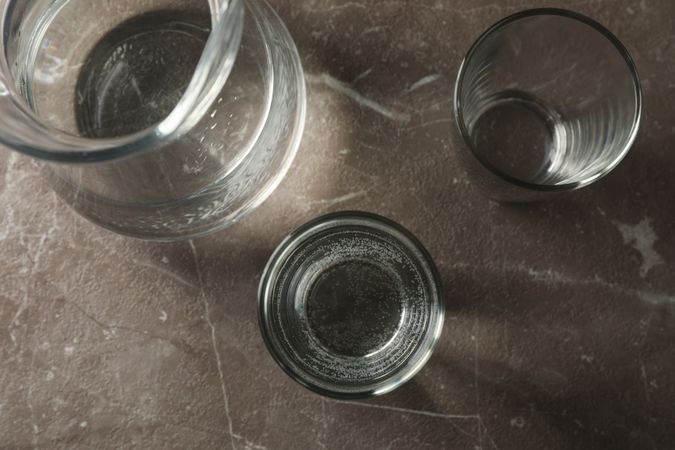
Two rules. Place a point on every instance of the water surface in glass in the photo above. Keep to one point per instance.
(350, 305)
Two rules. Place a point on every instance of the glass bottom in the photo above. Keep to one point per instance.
(521, 136)
(518, 135)
(136, 74)
(354, 307)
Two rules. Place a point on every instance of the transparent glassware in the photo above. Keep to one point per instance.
(158, 119)
(546, 100)
(350, 305)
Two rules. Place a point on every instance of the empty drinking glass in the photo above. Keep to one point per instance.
(547, 100)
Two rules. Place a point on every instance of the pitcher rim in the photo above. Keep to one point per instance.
(208, 79)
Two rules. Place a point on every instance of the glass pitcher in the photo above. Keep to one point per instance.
(158, 119)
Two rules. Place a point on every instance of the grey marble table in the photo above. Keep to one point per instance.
(560, 329)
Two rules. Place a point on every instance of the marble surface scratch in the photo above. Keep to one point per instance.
(15, 319)
(34, 267)
(363, 74)
(429, 123)
(423, 82)
(341, 199)
(551, 276)
(323, 434)
(654, 298)
(110, 331)
(451, 418)
(29, 402)
(476, 371)
(486, 432)
(411, 411)
(645, 380)
(349, 92)
(214, 342)
(336, 8)
(163, 271)
(248, 445)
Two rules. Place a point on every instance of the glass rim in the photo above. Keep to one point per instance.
(203, 88)
(618, 45)
(334, 221)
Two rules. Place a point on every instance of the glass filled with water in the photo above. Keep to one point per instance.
(350, 305)
(546, 100)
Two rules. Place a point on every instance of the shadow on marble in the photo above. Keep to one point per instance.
(586, 364)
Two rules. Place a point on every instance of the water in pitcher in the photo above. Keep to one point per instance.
(121, 80)
(136, 74)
